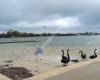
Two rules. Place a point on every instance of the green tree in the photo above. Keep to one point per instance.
(9, 33)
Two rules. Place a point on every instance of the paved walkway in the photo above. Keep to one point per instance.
(59, 73)
(88, 72)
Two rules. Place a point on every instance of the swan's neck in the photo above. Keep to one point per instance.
(95, 53)
(68, 55)
(63, 53)
(81, 53)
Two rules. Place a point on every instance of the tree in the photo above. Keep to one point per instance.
(13, 33)
(9, 33)
(16, 34)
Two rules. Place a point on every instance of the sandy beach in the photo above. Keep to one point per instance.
(50, 60)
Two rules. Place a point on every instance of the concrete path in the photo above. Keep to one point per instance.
(59, 71)
(88, 72)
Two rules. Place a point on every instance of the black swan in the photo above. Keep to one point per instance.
(65, 59)
(83, 56)
(93, 56)
(75, 60)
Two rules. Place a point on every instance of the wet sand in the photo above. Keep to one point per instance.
(15, 73)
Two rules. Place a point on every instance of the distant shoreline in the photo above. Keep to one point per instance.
(56, 34)
(16, 34)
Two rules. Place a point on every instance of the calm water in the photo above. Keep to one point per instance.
(64, 41)
(13, 49)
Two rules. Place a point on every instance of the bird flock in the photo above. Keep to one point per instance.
(66, 59)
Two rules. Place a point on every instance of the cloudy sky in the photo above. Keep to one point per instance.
(56, 15)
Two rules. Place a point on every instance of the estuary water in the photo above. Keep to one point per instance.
(73, 42)
(62, 41)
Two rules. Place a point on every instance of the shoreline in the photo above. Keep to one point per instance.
(61, 70)
(24, 57)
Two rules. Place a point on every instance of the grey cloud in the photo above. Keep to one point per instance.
(14, 11)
